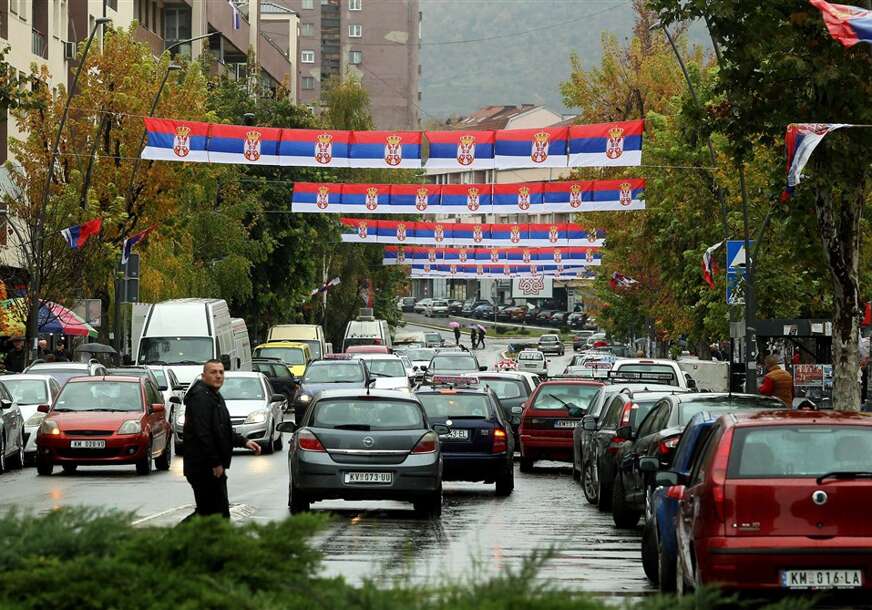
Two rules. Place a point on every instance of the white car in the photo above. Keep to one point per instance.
(168, 383)
(666, 372)
(30, 391)
(420, 357)
(388, 370)
(64, 371)
(533, 361)
(422, 305)
(437, 307)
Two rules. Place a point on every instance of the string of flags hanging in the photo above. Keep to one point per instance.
(417, 255)
(428, 271)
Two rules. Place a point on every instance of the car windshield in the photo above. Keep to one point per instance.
(99, 396)
(242, 388)
(386, 367)
(783, 451)
(367, 415)
(563, 396)
(175, 350)
(448, 405)
(28, 391)
(724, 405)
(504, 388)
(333, 372)
(420, 354)
(62, 375)
(289, 355)
(459, 362)
(665, 373)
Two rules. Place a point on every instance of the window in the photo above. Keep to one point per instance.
(355, 5)
(308, 83)
(308, 4)
(356, 57)
(355, 30)
(368, 415)
(307, 57)
(307, 29)
(177, 26)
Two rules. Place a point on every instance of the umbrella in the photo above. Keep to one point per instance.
(96, 348)
(53, 318)
(453, 324)
(481, 328)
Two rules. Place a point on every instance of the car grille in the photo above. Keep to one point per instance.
(88, 432)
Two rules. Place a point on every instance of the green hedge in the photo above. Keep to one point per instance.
(79, 559)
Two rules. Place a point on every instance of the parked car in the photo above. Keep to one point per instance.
(544, 316)
(551, 344)
(516, 313)
(558, 319)
(105, 421)
(805, 528)
(372, 445)
(11, 432)
(455, 307)
(63, 371)
(470, 305)
(407, 304)
(422, 305)
(549, 417)
(533, 361)
(28, 392)
(575, 320)
(532, 314)
(437, 308)
(485, 311)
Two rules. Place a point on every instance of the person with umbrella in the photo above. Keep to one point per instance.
(456, 328)
(481, 333)
(473, 336)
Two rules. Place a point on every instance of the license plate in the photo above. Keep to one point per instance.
(822, 579)
(87, 444)
(566, 423)
(379, 478)
(456, 435)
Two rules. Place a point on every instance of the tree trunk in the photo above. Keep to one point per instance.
(839, 215)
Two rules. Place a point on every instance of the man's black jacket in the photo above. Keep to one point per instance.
(209, 437)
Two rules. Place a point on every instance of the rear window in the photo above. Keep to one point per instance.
(660, 369)
(333, 372)
(504, 388)
(638, 414)
(549, 339)
(784, 451)
(531, 356)
(718, 407)
(367, 415)
(453, 363)
(159, 375)
(565, 396)
(455, 405)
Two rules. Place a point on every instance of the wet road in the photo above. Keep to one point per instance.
(477, 534)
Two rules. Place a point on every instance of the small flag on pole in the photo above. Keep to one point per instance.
(800, 141)
(709, 266)
(237, 23)
(132, 241)
(77, 235)
(325, 287)
(847, 24)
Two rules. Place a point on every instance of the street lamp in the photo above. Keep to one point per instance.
(36, 279)
(189, 40)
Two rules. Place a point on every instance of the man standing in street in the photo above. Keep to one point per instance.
(777, 382)
(457, 335)
(481, 333)
(209, 442)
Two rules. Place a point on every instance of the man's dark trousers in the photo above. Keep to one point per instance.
(210, 494)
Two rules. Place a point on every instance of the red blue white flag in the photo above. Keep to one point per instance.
(385, 149)
(518, 198)
(459, 199)
(709, 266)
(314, 148)
(460, 149)
(77, 235)
(520, 148)
(325, 286)
(366, 198)
(244, 145)
(131, 241)
(416, 198)
(620, 280)
(316, 197)
(847, 24)
(170, 140)
(606, 144)
(800, 142)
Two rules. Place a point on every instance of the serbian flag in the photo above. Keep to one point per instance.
(709, 266)
(359, 230)
(518, 198)
(606, 144)
(245, 145)
(314, 148)
(588, 238)
(847, 24)
(366, 198)
(325, 286)
(621, 281)
(131, 241)
(385, 149)
(77, 235)
(416, 198)
(466, 198)
(169, 140)
(625, 194)
(544, 147)
(460, 150)
(800, 141)
(315, 197)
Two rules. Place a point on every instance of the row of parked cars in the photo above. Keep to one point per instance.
(483, 309)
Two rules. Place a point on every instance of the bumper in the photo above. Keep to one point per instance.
(473, 466)
(127, 449)
(756, 563)
(254, 432)
(320, 478)
(541, 447)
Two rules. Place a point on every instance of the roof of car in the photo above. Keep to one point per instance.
(60, 365)
(720, 396)
(662, 361)
(787, 416)
(331, 361)
(231, 374)
(25, 376)
(589, 382)
(365, 356)
(496, 375)
(361, 393)
(285, 344)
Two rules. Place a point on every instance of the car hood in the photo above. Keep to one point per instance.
(97, 420)
(314, 388)
(241, 408)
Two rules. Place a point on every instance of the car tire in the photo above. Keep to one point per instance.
(576, 471)
(143, 466)
(665, 567)
(431, 506)
(603, 495)
(505, 482)
(69, 468)
(44, 467)
(267, 447)
(623, 515)
(588, 484)
(165, 459)
(649, 552)
(298, 502)
(527, 464)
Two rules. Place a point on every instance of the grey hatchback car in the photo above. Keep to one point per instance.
(359, 445)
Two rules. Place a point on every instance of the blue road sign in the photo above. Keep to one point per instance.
(736, 260)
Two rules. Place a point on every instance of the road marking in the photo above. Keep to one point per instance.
(239, 513)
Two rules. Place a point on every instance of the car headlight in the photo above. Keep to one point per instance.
(131, 426)
(34, 420)
(304, 398)
(50, 427)
(256, 417)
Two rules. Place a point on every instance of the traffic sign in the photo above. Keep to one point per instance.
(736, 264)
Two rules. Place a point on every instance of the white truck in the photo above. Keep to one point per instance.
(709, 375)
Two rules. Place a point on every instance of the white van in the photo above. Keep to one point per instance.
(241, 345)
(366, 330)
(184, 333)
(310, 334)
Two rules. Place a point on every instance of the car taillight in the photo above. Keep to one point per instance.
(668, 445)
(307, 441)
(500, 445)
(427, 444)
(614, 444)
(625, 416)
(719, 473)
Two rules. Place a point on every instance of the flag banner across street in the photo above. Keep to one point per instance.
(368, 231)
(464, 199)
(617, 144)
(493, 271)
(419, 255)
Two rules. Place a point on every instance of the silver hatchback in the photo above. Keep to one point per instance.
(359, 445)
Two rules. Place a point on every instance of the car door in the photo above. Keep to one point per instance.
(156, 421)
(276, 408)
(645, 439)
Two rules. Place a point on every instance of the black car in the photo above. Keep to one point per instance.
(407, 304)
(455, 307)
(512, 392)
(281, 379)
(485, 311)
(337, 373)
(480, 444)
(657, 436)
(470, 305)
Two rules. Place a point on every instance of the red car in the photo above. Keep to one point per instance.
(367, 349)
(549, 417)
(778, 500)
(105, 421)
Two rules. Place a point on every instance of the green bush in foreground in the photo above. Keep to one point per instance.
(77, 559)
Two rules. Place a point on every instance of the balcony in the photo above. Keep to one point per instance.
(38, 43)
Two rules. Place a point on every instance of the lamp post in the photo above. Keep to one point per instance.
(36, 277)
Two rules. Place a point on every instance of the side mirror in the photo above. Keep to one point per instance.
(482, 368)
(664, 478)
(43, 408)
(5, 404)
(649, 464)
(287, 426)
(441, 429)
(588, 424)
(277, 398)
(158, 408)
(175, 400)
(163, 388)
(517, 410)
(624, 433)
(225, 360)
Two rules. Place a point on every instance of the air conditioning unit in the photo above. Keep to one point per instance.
(69, 50)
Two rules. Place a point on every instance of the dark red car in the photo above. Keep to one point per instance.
(778, 500)
(105, 421)
(549, 417)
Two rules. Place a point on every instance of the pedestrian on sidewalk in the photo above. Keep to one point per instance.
(777, 382)
(473, 337)
(209, 442)
(457, 335)
(482, 331)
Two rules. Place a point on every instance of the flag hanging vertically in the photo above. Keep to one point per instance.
(847, 24)
(131, 241)
(77, 235)
(620, 280)
(709, 266)
(237, 19)
(800, 142)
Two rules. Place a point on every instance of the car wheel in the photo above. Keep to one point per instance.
(623, 515)
(603, 494)
(44, 467)
(506, 481)
(526, 464)
(69, 468)
(649, 552)
(297, 501)
(267, 447)
(165, 460)
(2, 450)
(665, 567)
(576, 471)
(431, 506)
(143, 466)
(588, 483)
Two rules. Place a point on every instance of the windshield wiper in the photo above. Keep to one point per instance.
(845, 474)
(374, 374)
(361, 427)
(560, 400)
